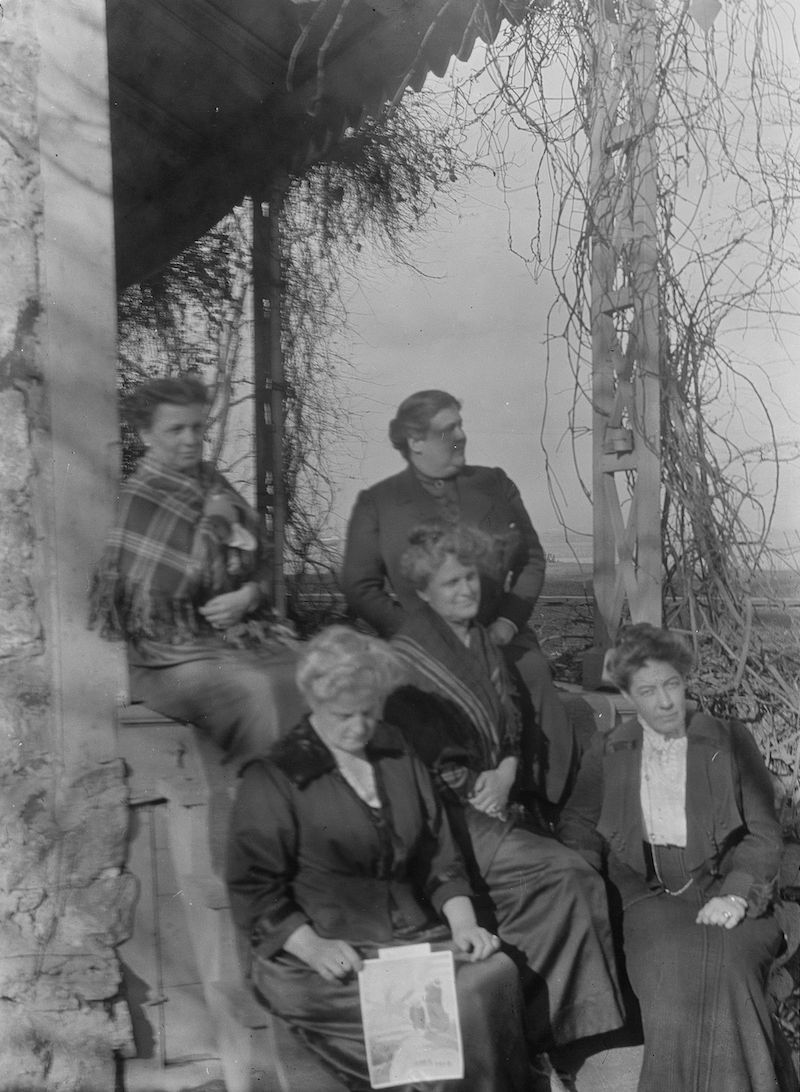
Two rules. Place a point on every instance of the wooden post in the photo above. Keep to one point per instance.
(626, 340)
(645, 596)
(277, 391)
(269, 379)
(262, 423)
(80, 355)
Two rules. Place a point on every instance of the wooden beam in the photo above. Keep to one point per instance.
(269, 379)
(262, 423)
(626, 350)
(277, 392)
(80, 355)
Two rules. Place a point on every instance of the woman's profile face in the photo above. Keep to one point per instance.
(658, 691)
(175, 435)
(440, 452)
(454, 591)
(347, 722)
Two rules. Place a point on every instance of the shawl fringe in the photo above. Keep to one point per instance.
(174, 621)
(474, 680)
(162, 561)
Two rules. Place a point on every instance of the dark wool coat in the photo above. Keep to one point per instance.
(305, 849)
(385, 514)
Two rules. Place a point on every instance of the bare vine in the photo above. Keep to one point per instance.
(728, 184)
(375, 190)
(376, 187)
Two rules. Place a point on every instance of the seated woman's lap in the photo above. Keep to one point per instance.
(701, 990)
(243, 700)
(327, 1016)
(550, 909)
(528, 864)
(663, 942)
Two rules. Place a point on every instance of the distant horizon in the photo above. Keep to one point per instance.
(579, 549)
(471, 312)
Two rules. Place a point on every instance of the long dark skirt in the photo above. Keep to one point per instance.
(327, 1017)
(550, 910)
(701, 989)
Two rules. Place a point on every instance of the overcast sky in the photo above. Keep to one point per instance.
(473, 321)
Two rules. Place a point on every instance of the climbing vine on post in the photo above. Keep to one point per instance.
(722, 116)
(375, 187)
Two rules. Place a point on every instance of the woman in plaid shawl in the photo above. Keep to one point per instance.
(460, 715)
(185, 581)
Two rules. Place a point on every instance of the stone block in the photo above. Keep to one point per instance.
(66, 902)
(27, 829)
(102, 911)
(18, 965)
(15, 454)
(68, 981)
(58, 1051)
(94, 820)
(24, 1055)
(25, 700)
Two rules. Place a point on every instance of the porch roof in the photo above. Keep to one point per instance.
(212, 99)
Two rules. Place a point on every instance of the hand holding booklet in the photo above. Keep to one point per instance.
(410, 1015)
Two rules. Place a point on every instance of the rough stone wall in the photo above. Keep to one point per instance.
(65, 900)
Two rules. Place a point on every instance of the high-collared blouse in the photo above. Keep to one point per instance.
(733, 838)
(663, 787)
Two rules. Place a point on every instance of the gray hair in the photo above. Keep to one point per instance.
(339, 660)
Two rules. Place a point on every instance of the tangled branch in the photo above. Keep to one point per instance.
(376, 187)
(728, 183)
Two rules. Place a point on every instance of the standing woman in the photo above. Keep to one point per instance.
(185, 580)
(679, 811)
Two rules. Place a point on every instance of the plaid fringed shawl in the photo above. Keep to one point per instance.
(163, 559)
(474, 679)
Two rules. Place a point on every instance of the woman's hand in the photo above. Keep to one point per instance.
(501, 632)
(476, 940)
(230, 607)
(492, 788)
(468, 936)
(333, 960)
(724, 910)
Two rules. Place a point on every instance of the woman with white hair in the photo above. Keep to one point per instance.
(339, 846)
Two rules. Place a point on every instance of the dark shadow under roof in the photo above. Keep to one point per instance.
(213, 99)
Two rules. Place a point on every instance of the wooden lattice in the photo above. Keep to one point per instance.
(625, 321)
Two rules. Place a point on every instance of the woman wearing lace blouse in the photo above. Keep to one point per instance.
(677, 810)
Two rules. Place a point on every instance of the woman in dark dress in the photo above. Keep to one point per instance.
(339, 846)
(678, 811)
(185, 581)
(458, 712)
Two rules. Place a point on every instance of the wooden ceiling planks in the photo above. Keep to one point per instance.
(211, 99)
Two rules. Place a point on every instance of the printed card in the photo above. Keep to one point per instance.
(410, 1014)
